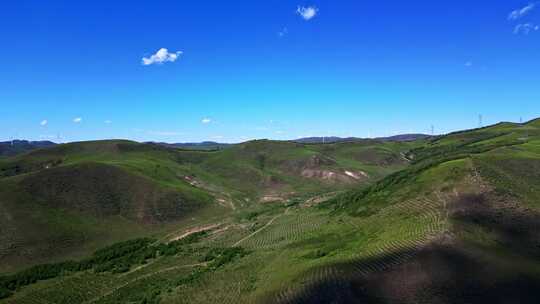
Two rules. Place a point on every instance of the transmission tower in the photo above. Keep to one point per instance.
(480, 121)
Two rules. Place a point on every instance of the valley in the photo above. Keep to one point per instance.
(442, 219)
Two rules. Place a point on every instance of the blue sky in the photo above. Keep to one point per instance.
(238, 70)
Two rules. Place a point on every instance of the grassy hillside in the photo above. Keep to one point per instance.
(454, 219)
(68, 200)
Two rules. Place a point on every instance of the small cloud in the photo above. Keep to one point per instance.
(521, 12)
(307, 13)
(108, 122)
(44, 122)
(218, 137)
(280, 132)
(206, 120)
(77, 119)
(525, 28)
(468, 64)
(161, 56)
(283, 32)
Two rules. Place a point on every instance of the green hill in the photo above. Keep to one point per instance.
(451, 219)
(69, 200)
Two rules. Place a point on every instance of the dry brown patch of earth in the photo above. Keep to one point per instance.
(193, 230)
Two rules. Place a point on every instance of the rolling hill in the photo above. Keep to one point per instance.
(335, 139)
(11, 148)
(205, 145)
(68, 200)
(448, 219)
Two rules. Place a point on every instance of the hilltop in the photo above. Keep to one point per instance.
(204, 145)
(335, 139)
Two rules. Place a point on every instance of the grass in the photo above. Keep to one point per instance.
(284, 249)
(84, 195)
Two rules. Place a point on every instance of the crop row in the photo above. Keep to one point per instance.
(428, 220)
(287, 229)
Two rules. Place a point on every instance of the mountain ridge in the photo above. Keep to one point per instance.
(335, 139)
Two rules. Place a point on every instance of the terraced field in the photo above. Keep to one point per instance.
(292, 226)
(429, 220)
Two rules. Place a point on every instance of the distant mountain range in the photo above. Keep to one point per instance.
(10, 148)
(205, 145)
(334, 139)
(212, 145)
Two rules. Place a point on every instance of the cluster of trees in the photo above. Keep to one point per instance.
(150, 291)
(179, 246)
(4, 292)
(116, 258)
(218, 257)
(119, 258)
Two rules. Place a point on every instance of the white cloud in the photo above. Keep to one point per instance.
(307, 12)
(77, 119)
(161, 56)
(468, 64)
(44, 122)
(521, 12)
(108, 122)
(218, 137)
(283, 32)
(206, 120)
(525, 28)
